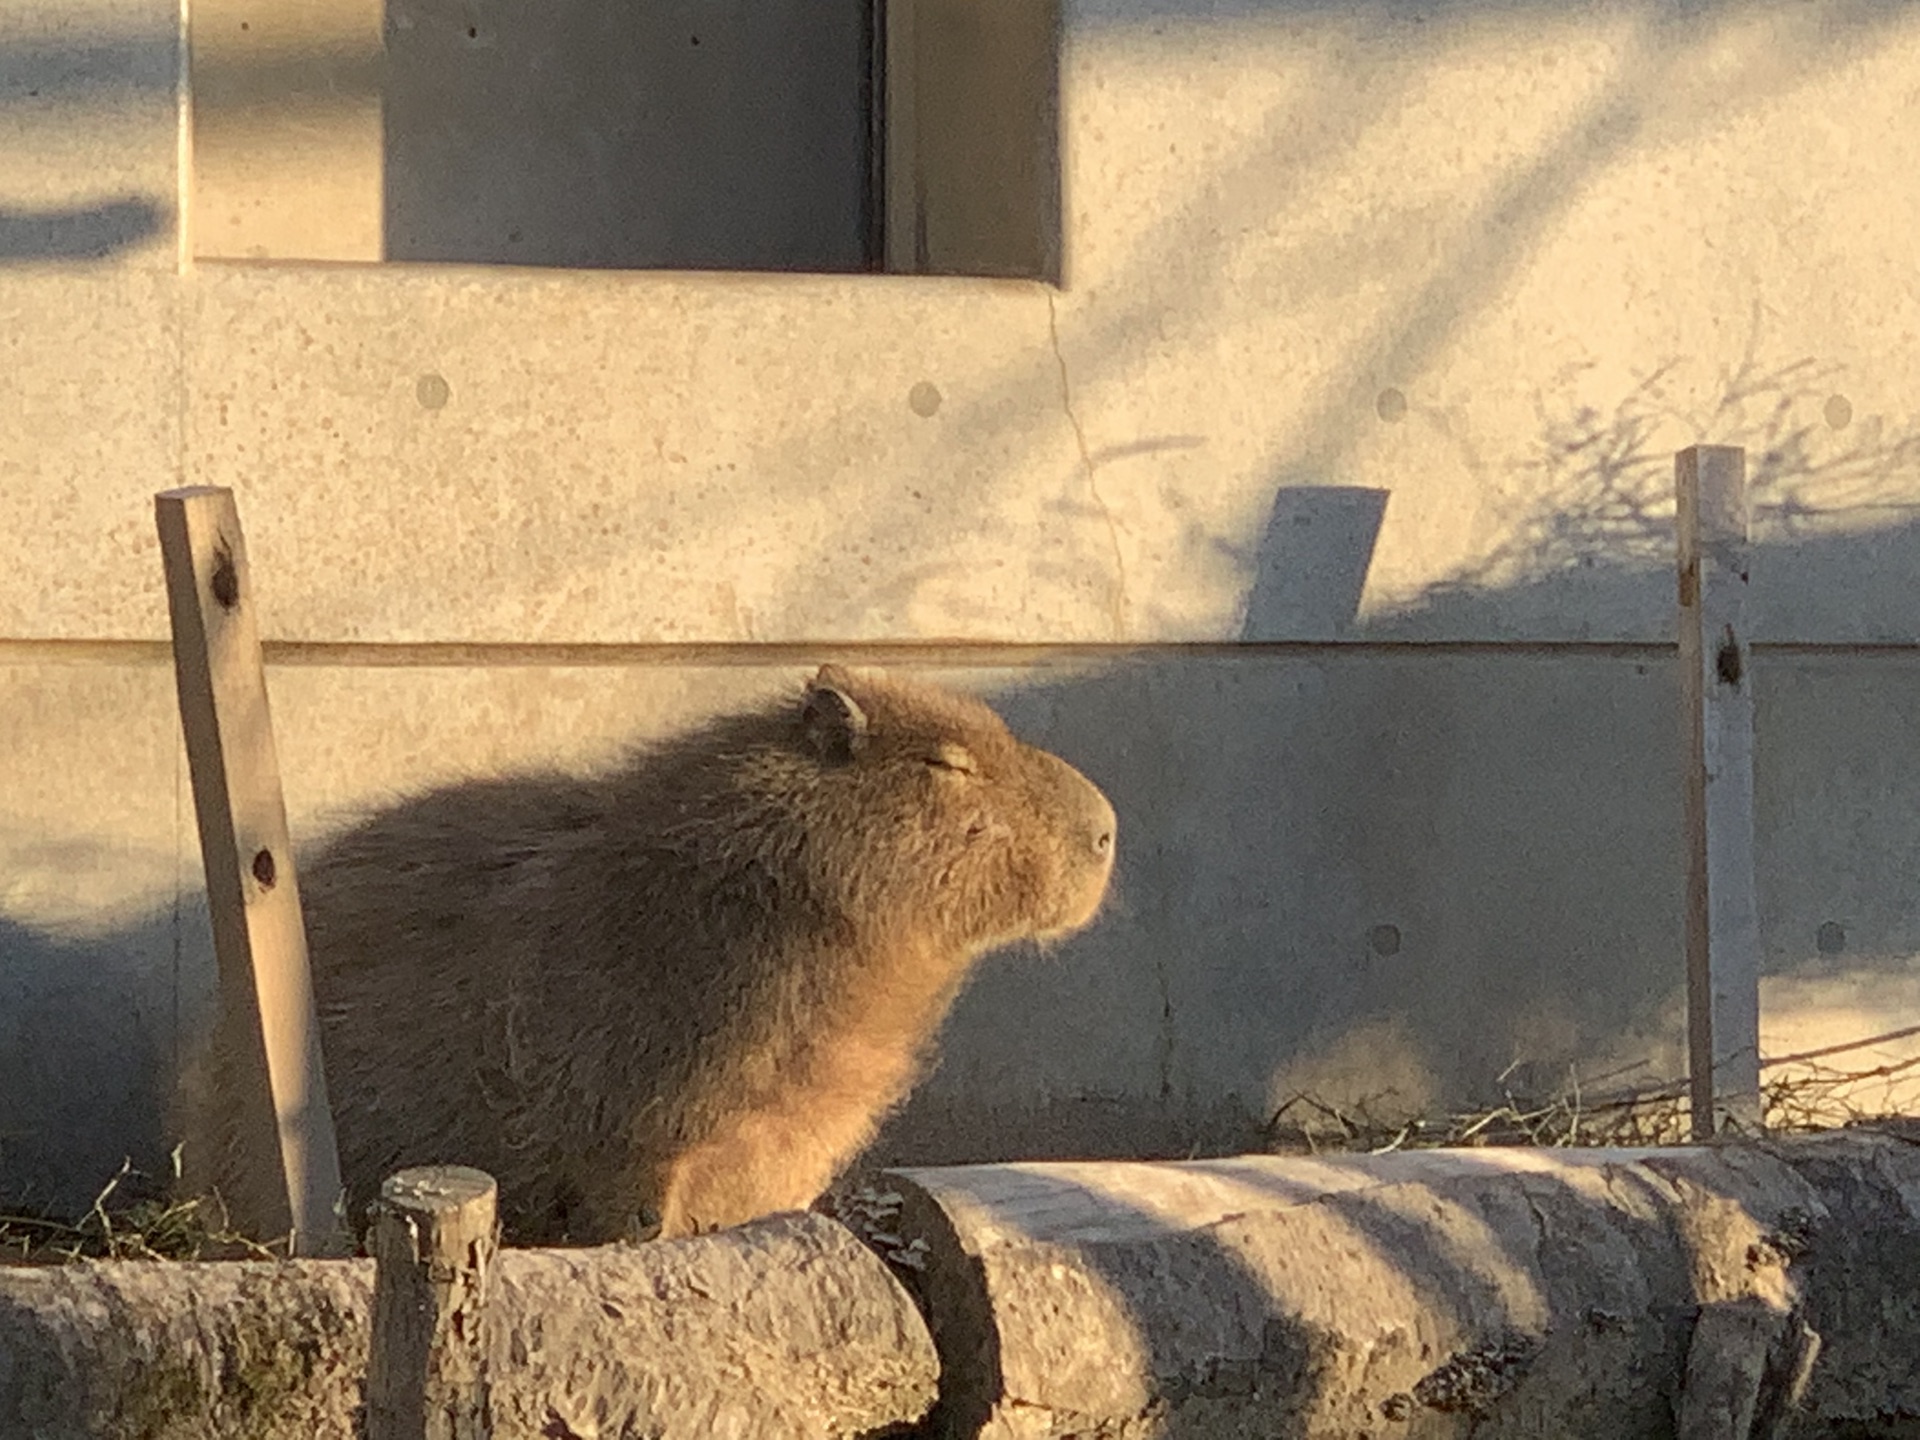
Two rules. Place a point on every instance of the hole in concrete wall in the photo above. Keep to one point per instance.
(811, 135)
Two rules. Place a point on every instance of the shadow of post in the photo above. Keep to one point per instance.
(1312, 562)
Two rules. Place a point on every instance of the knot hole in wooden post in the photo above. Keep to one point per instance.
(226, 576)
(434, 1234)
(1727, 665)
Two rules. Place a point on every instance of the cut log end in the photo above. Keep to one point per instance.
(435, 1234)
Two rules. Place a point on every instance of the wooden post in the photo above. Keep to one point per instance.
(434, 1236)
(1723, 923)
(266, 996)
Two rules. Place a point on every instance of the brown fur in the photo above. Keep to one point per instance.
(683, 994)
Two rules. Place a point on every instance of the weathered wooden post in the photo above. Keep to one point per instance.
(434, 1236)
(284, 1126)
(1723, 922)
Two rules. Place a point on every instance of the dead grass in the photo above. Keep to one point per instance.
(1800, 1094)
(123, 1224)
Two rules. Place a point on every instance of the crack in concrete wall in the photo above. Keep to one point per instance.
(1118, 600)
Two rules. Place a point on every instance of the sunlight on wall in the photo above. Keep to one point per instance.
(1503, 268)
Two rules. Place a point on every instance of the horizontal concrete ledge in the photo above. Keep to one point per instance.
(919, 653)
(785, 283)
(1744, 1290)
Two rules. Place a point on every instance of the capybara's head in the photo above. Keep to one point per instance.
(925, 805)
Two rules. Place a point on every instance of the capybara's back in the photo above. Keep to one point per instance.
(683, 993)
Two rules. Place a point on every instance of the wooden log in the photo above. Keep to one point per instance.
(1749, 1291)
(1497, 1293)
(435, 1232)
(1716, 687)
(279, 1168)
(784, 1329)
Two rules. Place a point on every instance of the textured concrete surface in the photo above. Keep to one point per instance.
(1648, 232)
(1387, 879)
(89, 143)
(555, 481)
(721, 484)
(103, 934)
(89, 430)
(1378, 326)
(286, 115)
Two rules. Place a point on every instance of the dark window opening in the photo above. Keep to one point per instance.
(833, 136)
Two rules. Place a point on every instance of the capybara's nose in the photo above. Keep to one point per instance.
(1102, 825)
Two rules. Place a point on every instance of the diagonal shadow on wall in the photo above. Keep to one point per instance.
(1512, 816)
(80, 232)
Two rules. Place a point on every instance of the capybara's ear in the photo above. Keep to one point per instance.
(833, 677)
(834, 723)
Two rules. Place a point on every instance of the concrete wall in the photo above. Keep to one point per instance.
(1321, 514)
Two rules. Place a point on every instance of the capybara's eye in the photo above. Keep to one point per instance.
(952, 757)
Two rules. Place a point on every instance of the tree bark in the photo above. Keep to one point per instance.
(1764, 1291)
(783, 1329)
(434, 1237)
(1742, 1291)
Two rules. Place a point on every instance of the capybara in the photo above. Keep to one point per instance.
(683, 993)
